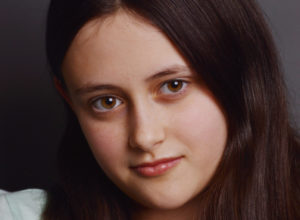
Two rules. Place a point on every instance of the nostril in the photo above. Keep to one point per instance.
(146, 139)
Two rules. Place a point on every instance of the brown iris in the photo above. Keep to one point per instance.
(108, 102)
(175, 86)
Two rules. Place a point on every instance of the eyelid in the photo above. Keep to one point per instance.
(182, 89)
(99, 98)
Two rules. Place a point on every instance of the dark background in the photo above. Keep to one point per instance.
(31, 113)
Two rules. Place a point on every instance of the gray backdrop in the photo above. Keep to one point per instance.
(31, 114)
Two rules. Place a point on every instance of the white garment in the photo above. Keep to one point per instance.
(22, 205)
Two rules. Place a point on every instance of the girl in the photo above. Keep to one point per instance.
(176, 110)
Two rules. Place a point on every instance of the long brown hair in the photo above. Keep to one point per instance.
(230, 46)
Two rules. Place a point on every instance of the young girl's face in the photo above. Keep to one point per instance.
(153, 127)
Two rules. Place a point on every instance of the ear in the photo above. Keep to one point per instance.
(62, 91)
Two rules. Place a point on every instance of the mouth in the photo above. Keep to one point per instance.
(157, 167)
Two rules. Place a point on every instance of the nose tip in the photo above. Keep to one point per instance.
(146, 132)
(145, 140)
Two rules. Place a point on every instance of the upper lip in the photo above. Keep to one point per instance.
(156, 162)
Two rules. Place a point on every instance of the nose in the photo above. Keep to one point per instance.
(147, 129)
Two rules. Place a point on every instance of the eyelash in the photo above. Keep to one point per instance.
(183, 84)
(103, 99)
(111, 98)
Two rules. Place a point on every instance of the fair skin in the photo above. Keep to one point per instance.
(138, 102)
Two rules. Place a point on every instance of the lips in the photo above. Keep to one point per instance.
(156, 168)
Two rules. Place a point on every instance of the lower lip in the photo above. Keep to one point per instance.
(159, 169)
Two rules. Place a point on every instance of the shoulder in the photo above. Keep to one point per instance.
(25, 204)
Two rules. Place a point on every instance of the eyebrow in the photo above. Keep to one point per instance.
(170, 70)
(89, 88)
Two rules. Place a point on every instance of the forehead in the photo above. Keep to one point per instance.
(120, 45)
(112, 25)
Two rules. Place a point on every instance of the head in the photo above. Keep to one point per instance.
(187, 81)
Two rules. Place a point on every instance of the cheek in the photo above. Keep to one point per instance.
(106, 141)
(201, 127)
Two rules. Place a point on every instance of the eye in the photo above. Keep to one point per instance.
(173, 86)
(106, 103)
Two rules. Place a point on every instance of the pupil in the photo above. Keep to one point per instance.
(175, 84)
(109, 101)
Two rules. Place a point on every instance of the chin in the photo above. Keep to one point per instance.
(168, 205)
(163, 202)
